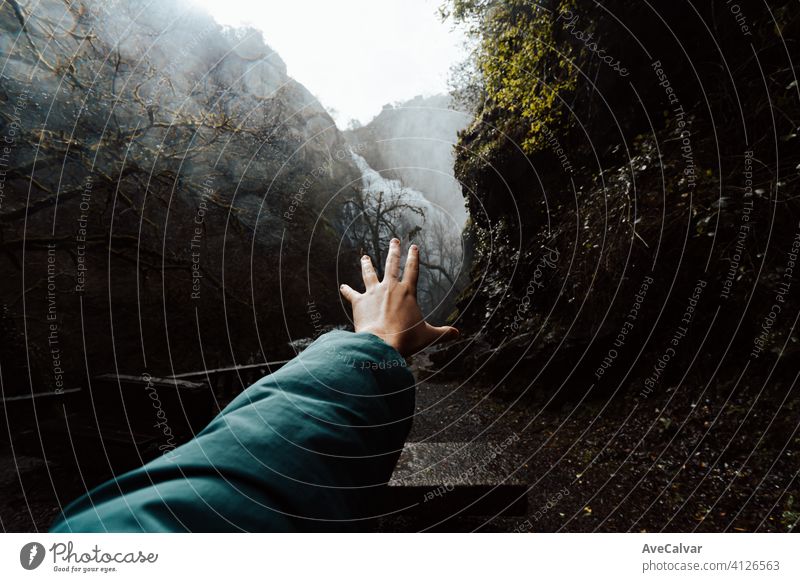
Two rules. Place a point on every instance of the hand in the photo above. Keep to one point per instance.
(389, 308)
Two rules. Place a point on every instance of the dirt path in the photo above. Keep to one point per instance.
(623, 466)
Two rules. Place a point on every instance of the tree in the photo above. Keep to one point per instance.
(372, 219)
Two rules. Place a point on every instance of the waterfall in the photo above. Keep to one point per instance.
(373, 183)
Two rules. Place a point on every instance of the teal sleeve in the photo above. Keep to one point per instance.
(308, 448)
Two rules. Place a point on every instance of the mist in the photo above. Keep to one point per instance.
(414, 142)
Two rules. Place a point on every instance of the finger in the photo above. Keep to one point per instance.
(349, 293)
(411, 272)
(368, 272)
(442, 333)
(392, 271)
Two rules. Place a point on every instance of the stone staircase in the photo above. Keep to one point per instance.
(450, 486)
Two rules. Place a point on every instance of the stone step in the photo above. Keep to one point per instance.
(437, 482)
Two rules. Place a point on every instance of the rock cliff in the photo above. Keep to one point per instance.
(168, 194)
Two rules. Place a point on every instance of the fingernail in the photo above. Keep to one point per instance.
(365, 258)
(414, 248)
(395, 241)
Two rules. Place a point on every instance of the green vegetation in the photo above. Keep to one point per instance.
(522, 69)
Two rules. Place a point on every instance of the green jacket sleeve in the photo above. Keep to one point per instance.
(308, 448)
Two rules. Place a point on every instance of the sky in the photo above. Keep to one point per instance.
(353, 55)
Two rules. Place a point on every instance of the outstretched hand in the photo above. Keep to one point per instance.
(389, 308)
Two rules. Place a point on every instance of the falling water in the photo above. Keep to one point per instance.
(373, 183)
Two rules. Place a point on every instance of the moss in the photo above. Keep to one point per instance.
(525, 72)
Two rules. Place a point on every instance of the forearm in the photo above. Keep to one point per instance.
(308, 447)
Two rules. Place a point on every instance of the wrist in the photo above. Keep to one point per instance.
(386, 337)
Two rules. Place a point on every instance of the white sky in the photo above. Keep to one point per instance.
(354, 55)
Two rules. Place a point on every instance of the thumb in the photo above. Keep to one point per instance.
(443, 333)
(348, 293)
